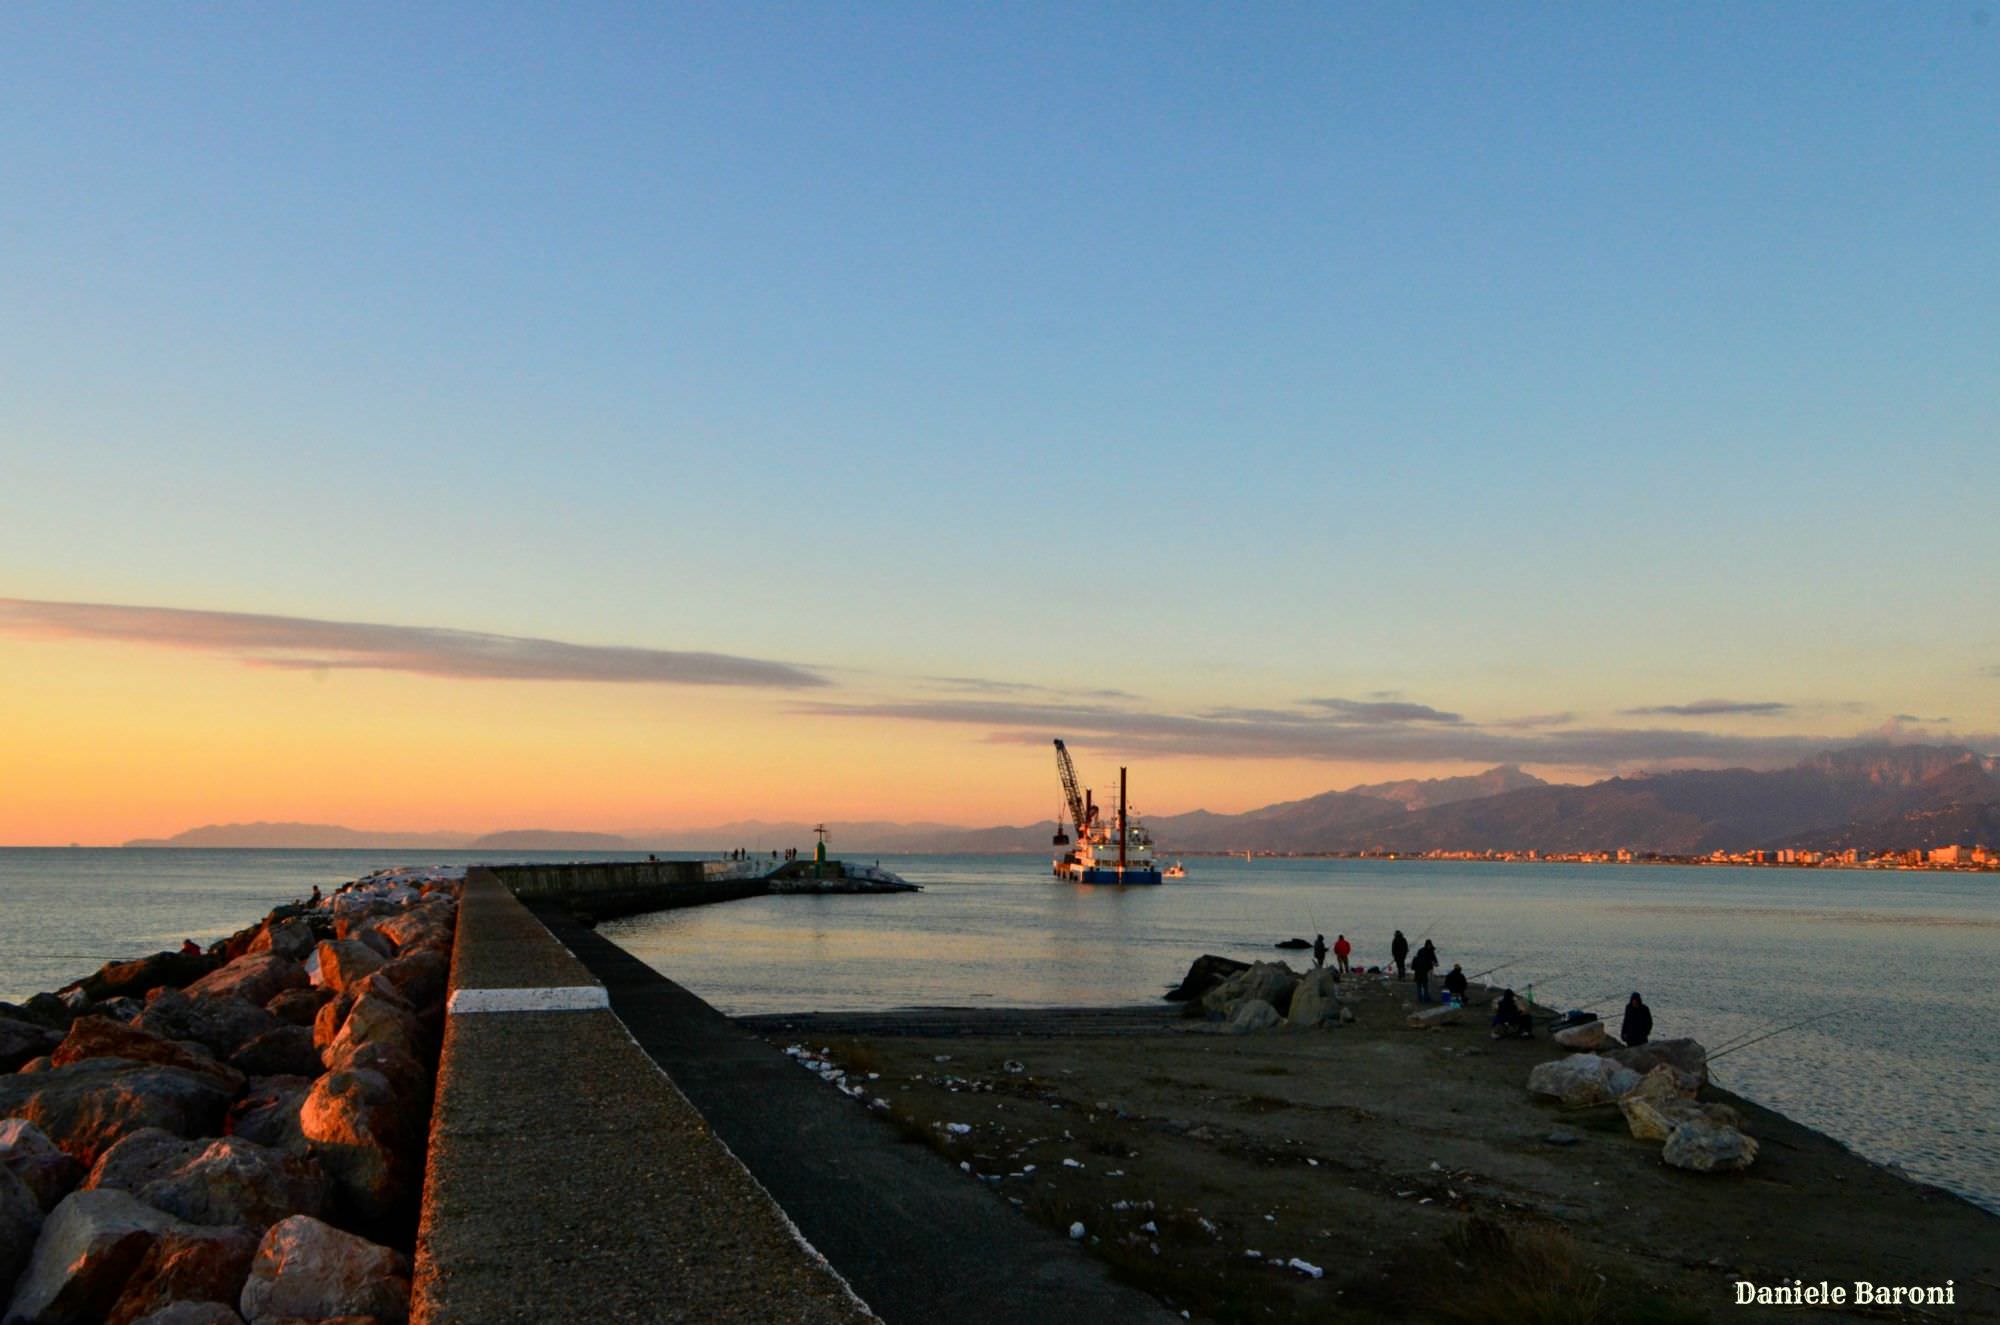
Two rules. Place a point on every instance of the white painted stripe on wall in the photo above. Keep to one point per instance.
(561, 998)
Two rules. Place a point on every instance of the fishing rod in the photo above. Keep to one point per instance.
(1501, 967)
(1780, 1031)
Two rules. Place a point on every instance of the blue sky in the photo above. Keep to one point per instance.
(1514, 358)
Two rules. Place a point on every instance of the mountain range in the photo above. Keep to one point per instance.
(1874, 797)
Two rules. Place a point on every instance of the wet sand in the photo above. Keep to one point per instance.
(1411, 1167)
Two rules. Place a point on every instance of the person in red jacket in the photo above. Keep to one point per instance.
(1341, 947)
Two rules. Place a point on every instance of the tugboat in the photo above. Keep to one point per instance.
(1119, 853)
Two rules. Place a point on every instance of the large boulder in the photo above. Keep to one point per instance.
(136, 978)
(100, 1037)
(344, 962)
(87, 1106)
(1206, 972)
(298, 1007)
(268, 1113)
(20, 1221)
(291, 938)
(408, 1078)
(1444, 1014)
(89, 1247)
(377, 1018)
(221, 1024)
(1252, 1014)
(21, 1041)
(286, 1051)
(1686, 1057)
(1706, 1146)
(1270, 982)
(312, 1271)
(430, 924)
(1661, 1084)
(420, 976)
(254, 977)
(50, 1173)
(230, 1181)
(1586, 1037)
(208, 1266)
(1654, 1117)
(366, 1138)
(1582, 1079)
(1315, 998)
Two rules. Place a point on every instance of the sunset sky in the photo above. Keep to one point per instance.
(628, 417)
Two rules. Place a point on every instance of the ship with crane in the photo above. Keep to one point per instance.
(1119, 852)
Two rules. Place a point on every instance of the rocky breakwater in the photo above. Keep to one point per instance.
(231, 1136)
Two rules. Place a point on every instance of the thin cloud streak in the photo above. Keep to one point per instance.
(1712, 708)
(1358, 711)
(1275, 734)
(306, 643)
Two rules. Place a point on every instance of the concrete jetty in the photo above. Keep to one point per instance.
(603, 890)
(568, 1177)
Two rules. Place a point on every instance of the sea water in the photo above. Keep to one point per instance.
(1907, 1070)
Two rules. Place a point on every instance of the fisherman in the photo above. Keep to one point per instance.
(1637, 1027)
(1510, 1018)
(1454, 984)
(1319, 950)
(1421, 967)
(1400, 950)
(190, 948)
(314, 899)
(1341, 948)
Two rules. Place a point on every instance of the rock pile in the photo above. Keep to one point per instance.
(1656, 1087)
(1261, 995)
(231, 1136)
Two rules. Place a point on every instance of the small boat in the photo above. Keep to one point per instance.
(1174, 871)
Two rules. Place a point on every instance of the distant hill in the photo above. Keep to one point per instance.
(1874, 797)
(276, 836)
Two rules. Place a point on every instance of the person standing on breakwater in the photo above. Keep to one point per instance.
(1637, 1027)
(1421, 967)
(1341, 949)
(1319, 950)
(1399, 949)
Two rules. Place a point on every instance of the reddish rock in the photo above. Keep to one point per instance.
(89, 1247)
(291, 937)
(286, 1051)
(221, 1024)
(345, 962)
(313, 1271)
(208, 1265)
(39, 1162)
(428, 925)
(41, 1064)
(408, 1078)
(298, 1007)
(86, 1107)
(135, 979)
(420, 976)
(255, 978)
(327, 1021)
(21, 1041)
(377, 1017)
(231, 1181)
(366, 1138)
(268, 1113)
(352, 921)
(100, 1037)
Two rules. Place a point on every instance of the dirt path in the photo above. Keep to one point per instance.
(1411, 1168)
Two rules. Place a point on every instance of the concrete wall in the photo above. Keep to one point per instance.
(602, 889)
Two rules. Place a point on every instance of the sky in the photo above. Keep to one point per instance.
(620, 417)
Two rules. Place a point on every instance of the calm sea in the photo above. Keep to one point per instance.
(1908, 1070)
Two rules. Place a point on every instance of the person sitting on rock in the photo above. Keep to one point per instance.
(1454, 984)
(1638, 1024)
(190, 948)
(1510, 1018)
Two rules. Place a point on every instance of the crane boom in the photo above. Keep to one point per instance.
(1072, 792)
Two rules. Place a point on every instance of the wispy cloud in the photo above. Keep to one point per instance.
(1247, 733)
(1378, 710)
(1712, 708)
(306, 643)
(980, 685)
